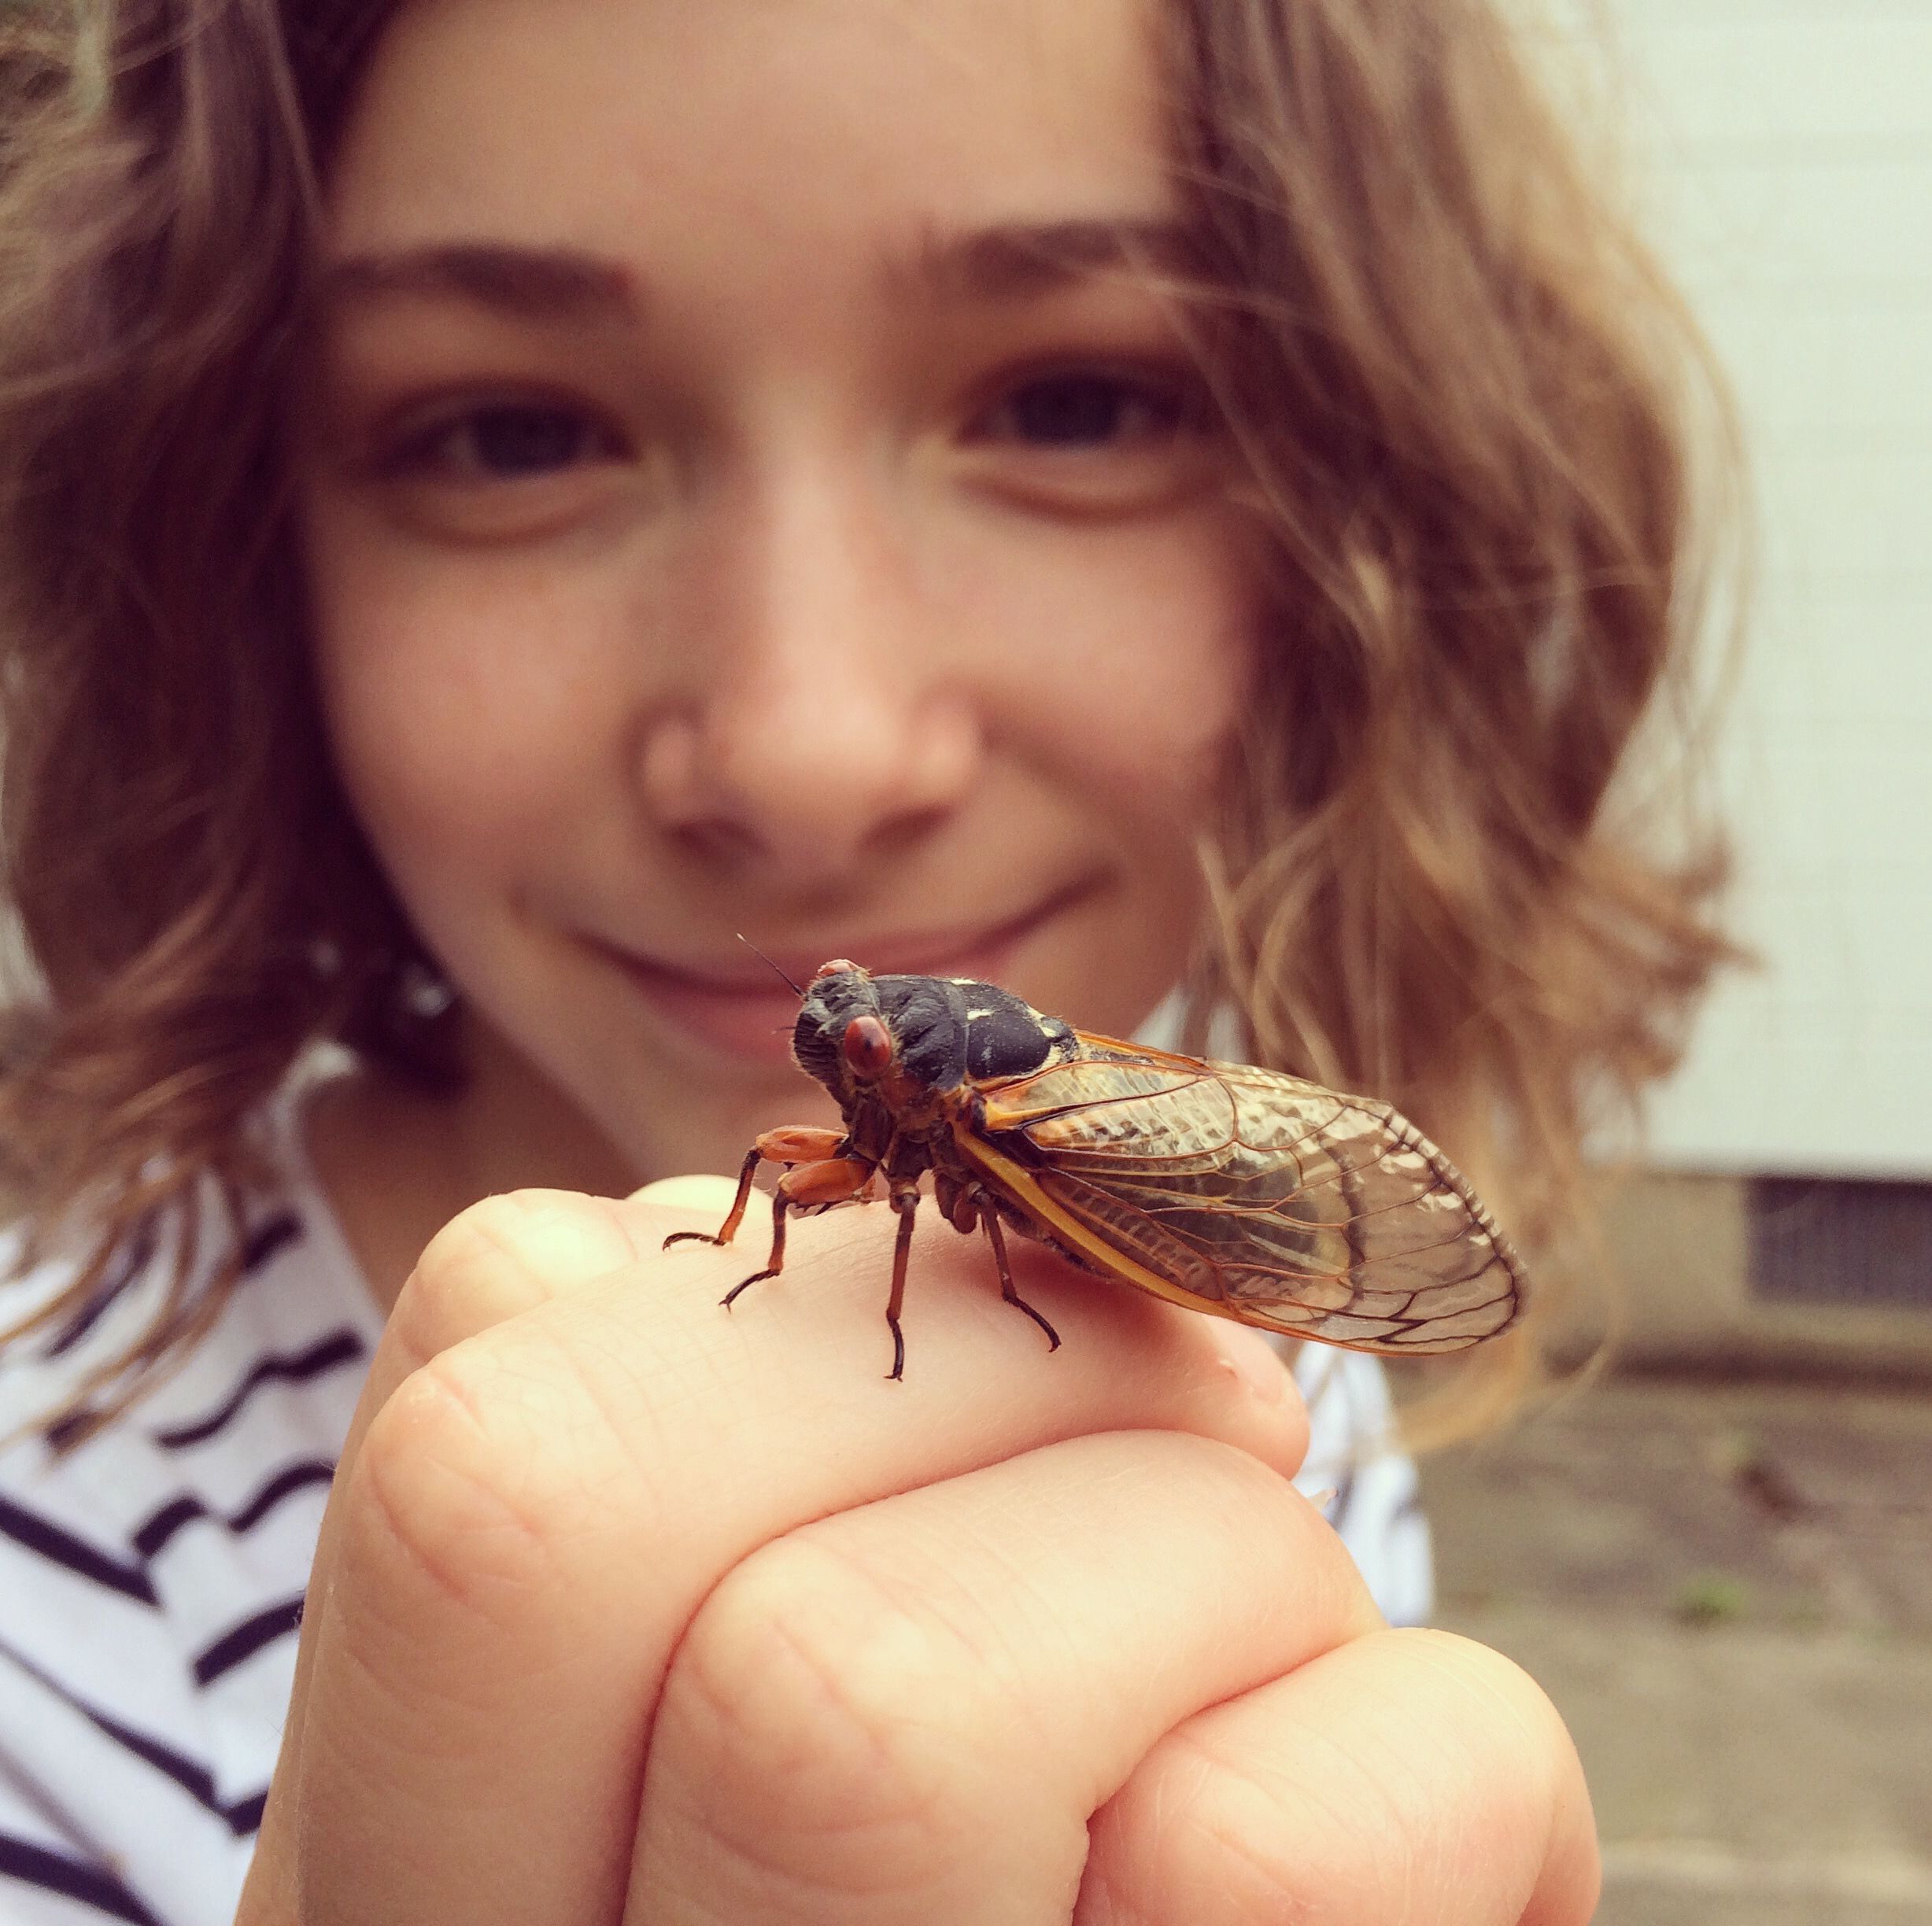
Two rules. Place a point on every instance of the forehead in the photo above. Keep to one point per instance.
(735, 121)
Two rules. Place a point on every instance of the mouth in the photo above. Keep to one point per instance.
(742, 1008)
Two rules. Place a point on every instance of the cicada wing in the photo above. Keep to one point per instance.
(1255, 1195)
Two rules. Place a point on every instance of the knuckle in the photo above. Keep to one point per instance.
(1478, 1670)
(854, 1710)
(1202, 1821)
(458, 1495)
(501, 1256)
(1457, 1790)
(1515, 1712)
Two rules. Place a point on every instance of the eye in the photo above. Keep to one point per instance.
(1098, 437)
(503, 440)
(868, 1045)
(1091, 408)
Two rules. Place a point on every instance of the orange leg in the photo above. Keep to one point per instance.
(800, 1143)
(796, 1143)
(729, 1229)
(831, 1180)
(775, 1263)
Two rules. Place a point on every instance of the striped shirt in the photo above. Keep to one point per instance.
(152, 1578)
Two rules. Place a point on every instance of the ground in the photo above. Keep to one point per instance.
(1727, 1590)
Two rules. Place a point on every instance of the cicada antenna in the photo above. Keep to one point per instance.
(763, 959)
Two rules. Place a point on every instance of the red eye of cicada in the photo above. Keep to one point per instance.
(868, 1045)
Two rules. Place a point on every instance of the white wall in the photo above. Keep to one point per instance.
(1786, 152)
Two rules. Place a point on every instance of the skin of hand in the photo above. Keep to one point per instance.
(628, 1609)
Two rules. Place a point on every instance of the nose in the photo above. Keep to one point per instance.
(817, 723)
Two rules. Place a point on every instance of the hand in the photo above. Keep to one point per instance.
(628, 1609)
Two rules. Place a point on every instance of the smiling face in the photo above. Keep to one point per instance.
(742, 492)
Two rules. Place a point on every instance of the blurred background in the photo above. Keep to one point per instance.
(1718, 1558)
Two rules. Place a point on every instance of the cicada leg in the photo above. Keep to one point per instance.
(775, 1263)
(729, 1229)
(955, 1205)
(996, 1236)
(814, 1185)
(825, 1178)
(831, 1180)
(905, 1202)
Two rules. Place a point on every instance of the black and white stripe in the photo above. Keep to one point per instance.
(151, 1579)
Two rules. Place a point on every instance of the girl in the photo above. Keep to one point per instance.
(1129, 501)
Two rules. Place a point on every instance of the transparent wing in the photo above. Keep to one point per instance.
(1252, 1195)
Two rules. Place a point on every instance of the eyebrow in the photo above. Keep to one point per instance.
(534, 283)
(1015, 260)
(1010, 261)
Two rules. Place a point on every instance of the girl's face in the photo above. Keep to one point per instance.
(744, 493)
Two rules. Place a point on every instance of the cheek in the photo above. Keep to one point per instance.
(1154, 729)
(454, 736)
(1133, 679)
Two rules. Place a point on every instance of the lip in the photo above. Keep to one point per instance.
(746, 1013)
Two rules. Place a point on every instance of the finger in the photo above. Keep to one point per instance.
(535, 1514)
(491, 1262)
(1408, 1779)
(514, 1253)
(494, 1261)
(909, 1712)
(707, 1195)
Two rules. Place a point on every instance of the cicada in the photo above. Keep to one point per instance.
(1239, 1192)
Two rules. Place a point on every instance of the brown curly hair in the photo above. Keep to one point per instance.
(1465, 399)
